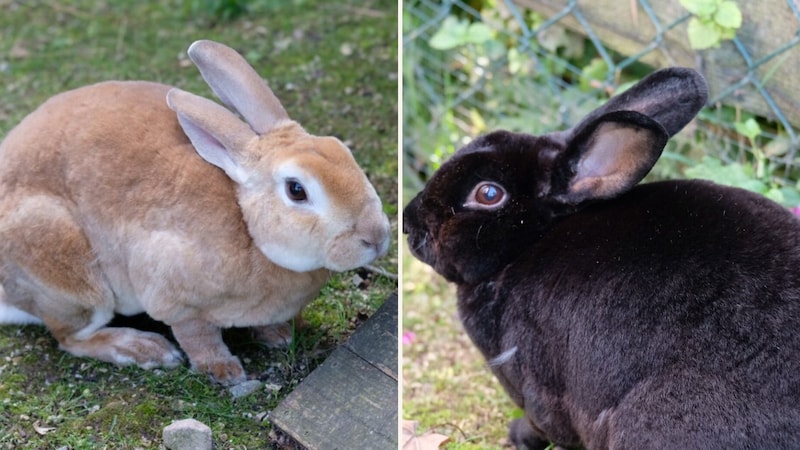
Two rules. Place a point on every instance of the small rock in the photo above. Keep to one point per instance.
(346, 49)
(188, 434)
(245, 388)
(356, 280)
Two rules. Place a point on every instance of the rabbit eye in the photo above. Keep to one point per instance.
(295, 191)
(489, 194)
(486, 195)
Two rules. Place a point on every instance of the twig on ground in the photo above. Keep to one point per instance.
(380, 271)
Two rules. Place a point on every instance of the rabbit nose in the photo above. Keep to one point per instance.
(373, 245)
(374, 234)
(380, 245)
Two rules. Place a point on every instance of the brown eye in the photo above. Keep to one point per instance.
(295, 191)
(486, 195)
(489, 194)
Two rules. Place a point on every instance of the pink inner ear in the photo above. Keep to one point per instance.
(614, 158)
(203, 142)
(603, 157)
(210, 149)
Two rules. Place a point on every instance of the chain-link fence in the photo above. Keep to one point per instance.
(540, 65)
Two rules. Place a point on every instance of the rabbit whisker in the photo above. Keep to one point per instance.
(478, 238)
(422, 243)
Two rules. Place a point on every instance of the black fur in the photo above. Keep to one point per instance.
(666, 315)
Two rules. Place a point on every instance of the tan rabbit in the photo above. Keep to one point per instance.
(108, 204)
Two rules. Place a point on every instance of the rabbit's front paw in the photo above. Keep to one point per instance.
(226, 371)
(522, 435)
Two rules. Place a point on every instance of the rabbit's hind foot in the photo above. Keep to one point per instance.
(124, 346)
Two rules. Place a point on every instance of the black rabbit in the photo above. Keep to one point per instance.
(664, 315)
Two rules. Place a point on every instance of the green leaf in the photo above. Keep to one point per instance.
(454, 33)
(594, 71)
(478, 33)
(726, 34)
(552, 38)
(702, 35)
(451, 34)
(791, 196)
(748, 128)
(733, 174)
(776, 195)
(702, 8)
(728, 15)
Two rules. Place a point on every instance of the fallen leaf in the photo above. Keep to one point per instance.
(427, 441)
(18, 51)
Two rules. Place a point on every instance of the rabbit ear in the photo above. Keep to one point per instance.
(238, 85)
(216, 133)
(607, 157)
(616, 145)
(671, 97)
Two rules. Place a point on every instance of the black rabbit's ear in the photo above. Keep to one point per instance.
(616, 145)
(671, 97)
(607, 157)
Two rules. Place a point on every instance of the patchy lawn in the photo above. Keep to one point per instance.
(334, 67)
(447, 386)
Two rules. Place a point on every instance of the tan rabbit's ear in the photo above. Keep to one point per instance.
(238, 85)
(216, 133)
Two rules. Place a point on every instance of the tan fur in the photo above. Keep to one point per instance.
(105, 206)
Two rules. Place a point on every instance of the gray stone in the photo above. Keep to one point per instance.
(188, 434)
(245, 388)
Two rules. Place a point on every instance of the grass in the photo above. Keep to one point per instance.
(334, 67)
(447, 386)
